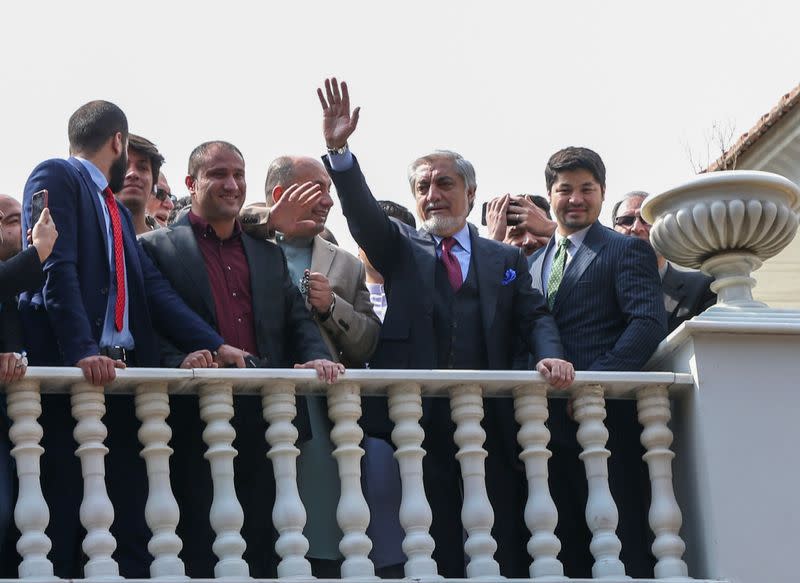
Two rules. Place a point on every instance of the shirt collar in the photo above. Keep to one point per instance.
(202, 228)
(576, 238)
(662, 271)
(98, 177)
(462, 238)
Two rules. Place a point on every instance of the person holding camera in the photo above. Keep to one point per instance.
(522, 220)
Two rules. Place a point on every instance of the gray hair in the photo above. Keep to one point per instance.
(280, 172)
(633, 194)
(463, 167)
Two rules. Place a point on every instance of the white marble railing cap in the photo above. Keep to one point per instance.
(372, 382)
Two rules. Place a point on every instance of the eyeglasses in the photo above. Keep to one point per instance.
(628, 220)
(162, 194)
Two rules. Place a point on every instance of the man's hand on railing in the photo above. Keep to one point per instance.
(327, 370)
(230, 356)
(99, 370)
(12, 367)
(559, 373)
(199, 359)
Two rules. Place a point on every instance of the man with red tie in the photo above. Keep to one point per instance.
(97, 309)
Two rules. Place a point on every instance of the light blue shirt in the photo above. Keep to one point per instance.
(110, 337)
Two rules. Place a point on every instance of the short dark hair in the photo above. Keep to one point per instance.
(198, 156)
(398, 211)
(575, 158)
(280, 172)
(92, 124)
(147, 149)
(634, 194)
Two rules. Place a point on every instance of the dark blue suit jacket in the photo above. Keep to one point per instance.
(513, 314)
(76, 289)
(609, 307)
(610, 311)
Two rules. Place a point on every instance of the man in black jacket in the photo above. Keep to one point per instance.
(241, 286)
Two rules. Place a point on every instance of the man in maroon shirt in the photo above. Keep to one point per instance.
(241, 286)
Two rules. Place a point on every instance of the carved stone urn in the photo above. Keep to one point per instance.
(726, 224)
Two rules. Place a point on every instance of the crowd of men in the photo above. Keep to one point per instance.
(118, 273)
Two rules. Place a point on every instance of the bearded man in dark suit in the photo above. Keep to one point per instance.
(455, 301)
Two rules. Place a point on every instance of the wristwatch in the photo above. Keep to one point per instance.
(329, 313)
(338, 151)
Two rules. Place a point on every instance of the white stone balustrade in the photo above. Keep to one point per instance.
(32, 514)
(466, 403)
(215, 389)
(665, 515)
(541, 516)
(161, 511)
(344, 409)
(96, 512)
(288, 514)
(601, 511)
(227, 517)
(405, 409)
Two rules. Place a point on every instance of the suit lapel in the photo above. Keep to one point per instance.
(673, 290)
(191, 258)
(322, 254)
(424, 248)
(489, 271)
(592, 243)
(257, 262)
(96, 202)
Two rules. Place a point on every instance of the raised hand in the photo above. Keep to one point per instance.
(338, 123)
(44, 235)
(496, 220)
(290, 212)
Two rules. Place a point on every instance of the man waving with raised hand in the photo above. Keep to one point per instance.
(455, 301)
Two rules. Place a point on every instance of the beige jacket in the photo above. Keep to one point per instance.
(351, 332)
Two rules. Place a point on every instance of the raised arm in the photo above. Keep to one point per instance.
(370, 227)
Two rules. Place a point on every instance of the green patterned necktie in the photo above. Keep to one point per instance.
(557, 271)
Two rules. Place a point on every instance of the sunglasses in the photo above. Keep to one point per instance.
(628, 220)
(163, 194)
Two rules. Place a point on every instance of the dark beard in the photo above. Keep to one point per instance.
(117, 173)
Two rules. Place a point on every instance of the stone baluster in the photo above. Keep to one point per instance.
(405, 409)
(541, 516)
(161, 511)
(477, 516)
(31, 513)
(96, 512)
(352, 513)
(288, 514)
(226, 516)
(665, 515)
(601, 511)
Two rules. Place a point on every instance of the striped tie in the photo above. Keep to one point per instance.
(557, 271)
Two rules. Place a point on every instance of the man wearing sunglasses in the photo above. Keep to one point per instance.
(161, 202)
(686, 292)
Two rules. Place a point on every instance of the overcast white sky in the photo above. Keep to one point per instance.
(504, 83)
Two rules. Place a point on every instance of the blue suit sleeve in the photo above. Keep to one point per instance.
(172, 318)
(640, 298)
(61, 292)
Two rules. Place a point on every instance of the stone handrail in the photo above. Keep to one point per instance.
(405, 389)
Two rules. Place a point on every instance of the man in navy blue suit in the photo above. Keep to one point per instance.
(605, 295)
(455, 301)
(101, 298)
